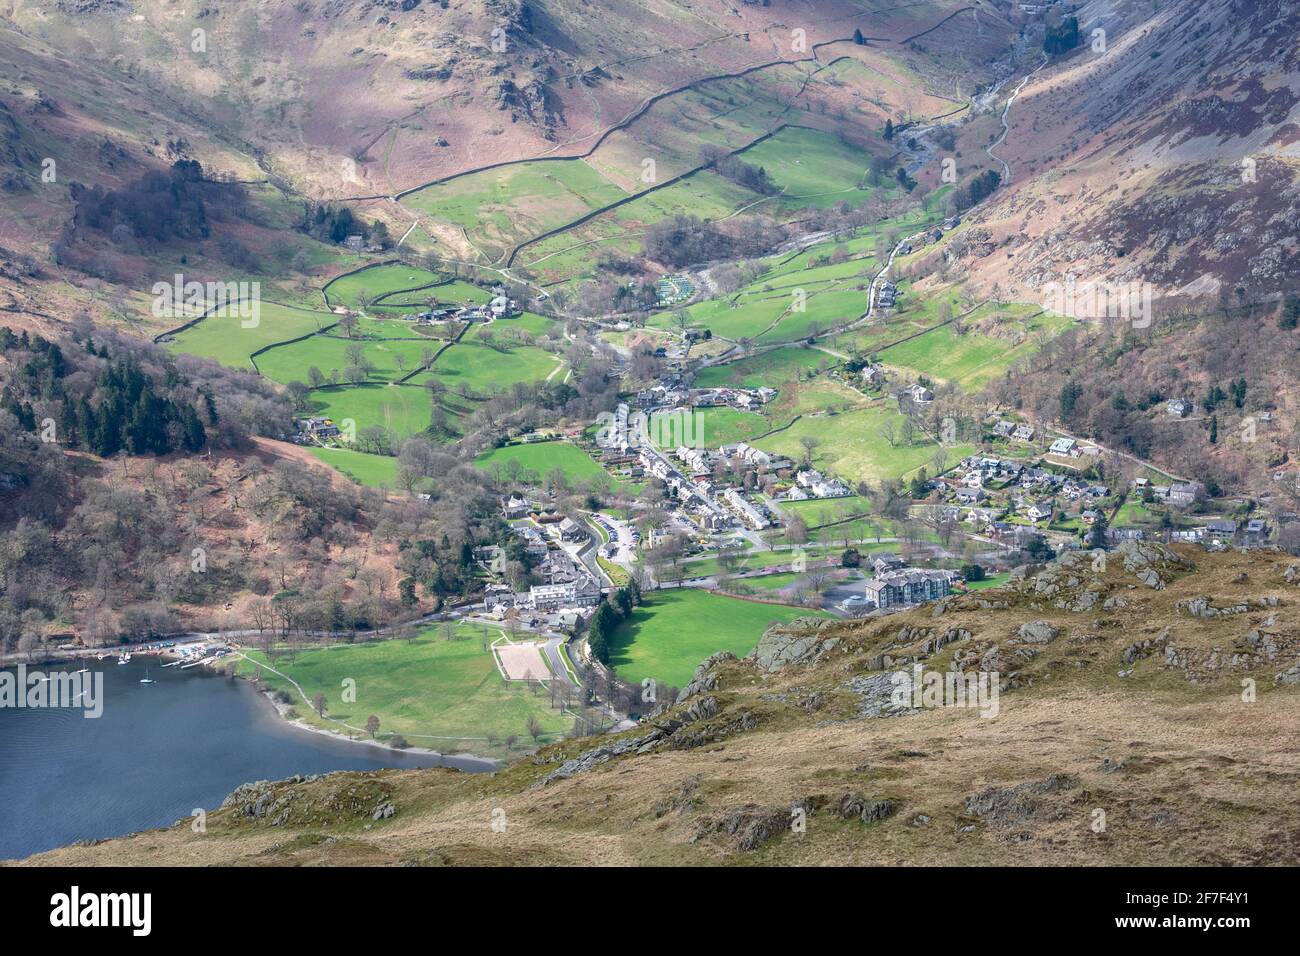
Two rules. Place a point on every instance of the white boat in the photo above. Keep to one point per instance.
(146, 679)
(84, 670)
(124, 659)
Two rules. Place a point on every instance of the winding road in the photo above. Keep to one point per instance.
(1006, 127)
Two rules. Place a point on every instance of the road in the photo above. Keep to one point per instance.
(186, 638)
(555, 658)
(882, 275)
(1006, 128)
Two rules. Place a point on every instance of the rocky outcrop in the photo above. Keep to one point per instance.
(288, 803)
(854, 806)
(532, 103)
(686, 798)
(431, 71)
(590, 759)
(1036, 632)
(1142, 649)
(1009, 806)
(798, 642)
(748, 827)
(883, 695)
(1151, 563)
(672, 732)
(1289, 676)
(704, 679)
(685, 737)
(1203, 607)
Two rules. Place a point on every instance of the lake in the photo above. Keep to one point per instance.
(158, 752)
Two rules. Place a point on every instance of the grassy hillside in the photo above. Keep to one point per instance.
(1126, 708)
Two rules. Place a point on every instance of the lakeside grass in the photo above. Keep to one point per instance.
(448, 689)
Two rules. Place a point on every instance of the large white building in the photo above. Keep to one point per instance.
(549, 597)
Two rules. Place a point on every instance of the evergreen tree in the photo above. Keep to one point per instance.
(406, 588)
(1070, 393)
(1290, 317)
(1096, 537)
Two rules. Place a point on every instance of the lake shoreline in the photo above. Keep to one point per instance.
(298, 723)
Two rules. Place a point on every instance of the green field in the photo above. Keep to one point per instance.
(529, 323)
(501, 207)
(389, 359)
(483, 369)
(993, 581)
(431, 687)
(770, 368)
(815, 168)
(743, 319)
(402, 409)
(619, 231)
(370, 470)
(224, 338)
(973, 359)
(673, 631)
(711, 426)
(819, 511)
(774, 582)
(853, 446)
(540, 458)
(378, 281)
(824, 310)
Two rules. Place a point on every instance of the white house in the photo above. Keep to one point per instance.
(1039, 511)
(920, 394)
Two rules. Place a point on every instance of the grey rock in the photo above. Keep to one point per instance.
(749, 826)
(856, 806)
(704, 679)
(1289, 676)
(1037, 632)
(1006, 806)
(795, 643)
(878, 694)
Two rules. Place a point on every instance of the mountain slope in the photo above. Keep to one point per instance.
(1166, 155)
(1122, 735)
